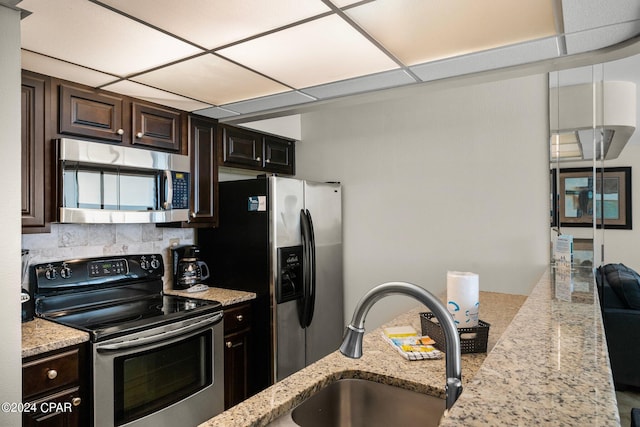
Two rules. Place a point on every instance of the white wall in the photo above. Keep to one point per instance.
(441, 179)
(10, 385)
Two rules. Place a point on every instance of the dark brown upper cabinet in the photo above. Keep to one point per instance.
(246, 149)
(204, 171)
(279, 155)
(38, 190)
(109, 117)
(156, 127)
(91, 113)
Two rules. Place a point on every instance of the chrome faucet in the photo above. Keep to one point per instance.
(352, 342)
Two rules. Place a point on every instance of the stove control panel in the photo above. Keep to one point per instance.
(109, 267)
(78, 273)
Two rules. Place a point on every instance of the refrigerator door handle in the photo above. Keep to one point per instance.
(312, 272)
(306, 304)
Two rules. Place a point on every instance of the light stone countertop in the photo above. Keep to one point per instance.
(547, 366)
(550, 368)
(40, 336)
(379, 363)
(225, 296)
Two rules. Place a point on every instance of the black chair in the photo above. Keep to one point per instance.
(619, 292)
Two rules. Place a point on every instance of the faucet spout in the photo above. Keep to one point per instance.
(352, 341)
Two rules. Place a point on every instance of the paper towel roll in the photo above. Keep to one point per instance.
(463, 298)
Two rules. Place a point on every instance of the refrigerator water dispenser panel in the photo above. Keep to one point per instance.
(289, 280)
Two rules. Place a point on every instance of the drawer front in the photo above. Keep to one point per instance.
(49, 373)
(236, 318)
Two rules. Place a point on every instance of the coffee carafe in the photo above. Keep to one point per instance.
(189, 272)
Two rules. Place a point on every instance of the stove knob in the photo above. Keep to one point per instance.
(155, 263)
(144, 264)
(65, 272)
(50, 273)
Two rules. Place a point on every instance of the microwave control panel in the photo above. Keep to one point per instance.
(180, 190)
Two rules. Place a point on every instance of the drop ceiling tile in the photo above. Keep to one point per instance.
(217, 113)
(214, 23)
(316, 52)
(270, 102)
(433, 30)
(63, 70)
(372, 82)
(344, 3)
(211, 79)
(86, 34)
(137, 90)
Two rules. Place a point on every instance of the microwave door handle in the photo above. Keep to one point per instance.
(162, 336)
(169, 184)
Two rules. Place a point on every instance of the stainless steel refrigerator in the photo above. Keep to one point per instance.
(282, 239)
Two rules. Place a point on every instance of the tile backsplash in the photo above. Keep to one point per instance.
(68, 241)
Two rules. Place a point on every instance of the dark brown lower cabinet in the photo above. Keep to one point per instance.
(237, 329)
(55, 389)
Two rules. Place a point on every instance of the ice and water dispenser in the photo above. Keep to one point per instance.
(290, 274)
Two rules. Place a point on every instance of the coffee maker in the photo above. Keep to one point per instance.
(189, 272)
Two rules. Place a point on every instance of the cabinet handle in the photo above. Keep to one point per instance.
(239, 317)
(229, 344)
(76, 401)
(52, 374)
(258, 159)
(139, 135)
(120, 131)
(268, 161)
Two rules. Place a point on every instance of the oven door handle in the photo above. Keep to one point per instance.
(162, 336)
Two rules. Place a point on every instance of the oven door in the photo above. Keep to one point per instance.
(169, 375)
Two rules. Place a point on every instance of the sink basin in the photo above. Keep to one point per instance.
(357, 402)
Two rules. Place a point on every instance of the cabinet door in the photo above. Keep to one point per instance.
(235, 368)
(156, 127)
(279, 155)
(241, 148)
(90, 113)
(38, 197)
(204, 171)
(61, 409)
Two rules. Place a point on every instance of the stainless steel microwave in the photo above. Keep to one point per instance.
(105, 183)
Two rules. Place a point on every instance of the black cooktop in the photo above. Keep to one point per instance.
(110, 297)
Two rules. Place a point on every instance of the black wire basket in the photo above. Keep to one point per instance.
(472, 340)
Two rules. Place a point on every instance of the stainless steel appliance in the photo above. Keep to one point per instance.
(282, 239)
(105, 183)
(189, 272)
(26, 301)
(157, 359)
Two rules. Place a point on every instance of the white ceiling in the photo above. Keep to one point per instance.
(225, 59)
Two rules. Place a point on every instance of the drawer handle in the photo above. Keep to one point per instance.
(76, 401)
(229, 344)
(52, 374)
(239, 317)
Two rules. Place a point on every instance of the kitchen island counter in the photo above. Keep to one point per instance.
(379, 363)
(547, 365)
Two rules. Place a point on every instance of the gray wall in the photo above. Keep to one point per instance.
(10, 386)
(442, 178)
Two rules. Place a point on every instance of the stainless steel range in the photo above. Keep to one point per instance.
(157, 359)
